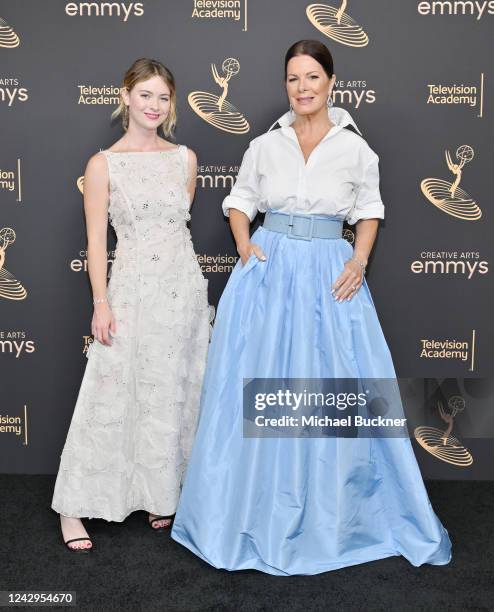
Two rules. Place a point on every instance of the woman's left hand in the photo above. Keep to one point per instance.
(349, 281)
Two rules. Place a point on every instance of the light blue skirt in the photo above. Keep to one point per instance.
(298, 505)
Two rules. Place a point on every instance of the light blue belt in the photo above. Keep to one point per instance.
(303, 227)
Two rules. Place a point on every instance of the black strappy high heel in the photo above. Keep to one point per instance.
(78, 550)
(170, 517)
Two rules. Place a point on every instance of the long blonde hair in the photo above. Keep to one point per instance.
(141, 70)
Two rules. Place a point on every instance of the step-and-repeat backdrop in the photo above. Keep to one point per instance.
(415, 75)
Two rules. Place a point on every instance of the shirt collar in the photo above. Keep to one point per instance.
(337, 115)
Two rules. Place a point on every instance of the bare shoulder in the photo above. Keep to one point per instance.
(192, 161)
(96, 175)
(97, 163)
(191, 156)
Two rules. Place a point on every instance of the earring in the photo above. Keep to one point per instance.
(126, 117)
(291, 108)
(330, 101)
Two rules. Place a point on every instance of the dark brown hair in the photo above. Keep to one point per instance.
(317, 50)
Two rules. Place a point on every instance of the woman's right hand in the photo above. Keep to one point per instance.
(249, 248)
(103, 322)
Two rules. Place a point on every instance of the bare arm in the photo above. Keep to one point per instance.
(96, 210)
(353, 275)
(364, 241)
(240, 224)
(192, 174)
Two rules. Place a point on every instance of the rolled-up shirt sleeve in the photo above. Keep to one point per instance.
(368, 203)
(244, 195)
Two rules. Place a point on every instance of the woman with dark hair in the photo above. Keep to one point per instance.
(136, 413)
(297, 306)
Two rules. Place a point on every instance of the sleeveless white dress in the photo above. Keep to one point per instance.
(136, 413)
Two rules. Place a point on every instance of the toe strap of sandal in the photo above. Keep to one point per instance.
(77, 540)
(162, 518)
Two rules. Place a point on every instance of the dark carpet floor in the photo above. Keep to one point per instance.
(133, 568)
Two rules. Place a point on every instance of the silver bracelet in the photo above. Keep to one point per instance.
(362, 266)
(99, 300)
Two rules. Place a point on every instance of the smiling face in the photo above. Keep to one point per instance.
(149, 102)
(307, 85)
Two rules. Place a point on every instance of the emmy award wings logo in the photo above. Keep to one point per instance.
(442, 444)
(10, 287)
(8, 38)
(348, 235)
(449, 197)
(336, 24)
(216, 110)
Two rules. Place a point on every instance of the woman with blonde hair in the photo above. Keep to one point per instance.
(136, 412)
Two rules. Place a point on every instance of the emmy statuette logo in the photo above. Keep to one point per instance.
(8, 38)
(442, 444)
(10, 287)
(450, 197)
(216, 110)
(348, 235)
(336, 24)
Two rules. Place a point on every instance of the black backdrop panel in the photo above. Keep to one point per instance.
(414, 75)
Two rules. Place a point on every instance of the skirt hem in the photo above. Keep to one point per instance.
(120, 519)
(269, 569)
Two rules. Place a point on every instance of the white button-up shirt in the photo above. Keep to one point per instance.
(340, 178)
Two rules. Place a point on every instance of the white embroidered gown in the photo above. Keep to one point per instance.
(136, 413)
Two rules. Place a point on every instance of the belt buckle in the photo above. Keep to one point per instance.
(290, 233)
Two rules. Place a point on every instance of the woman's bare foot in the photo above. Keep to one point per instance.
(73, 528)
(158, 524)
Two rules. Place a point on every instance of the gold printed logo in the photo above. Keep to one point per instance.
(449, 348)
(449, 197)
(216, 263)
(336, 24)
(15, 425)
(471, 96)
(86, 344)
(442, 444)
(474, 8)
(10, 287)
(220, 9)
(348, 235)
(216, 110)
(10, 181)
(8, 38)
